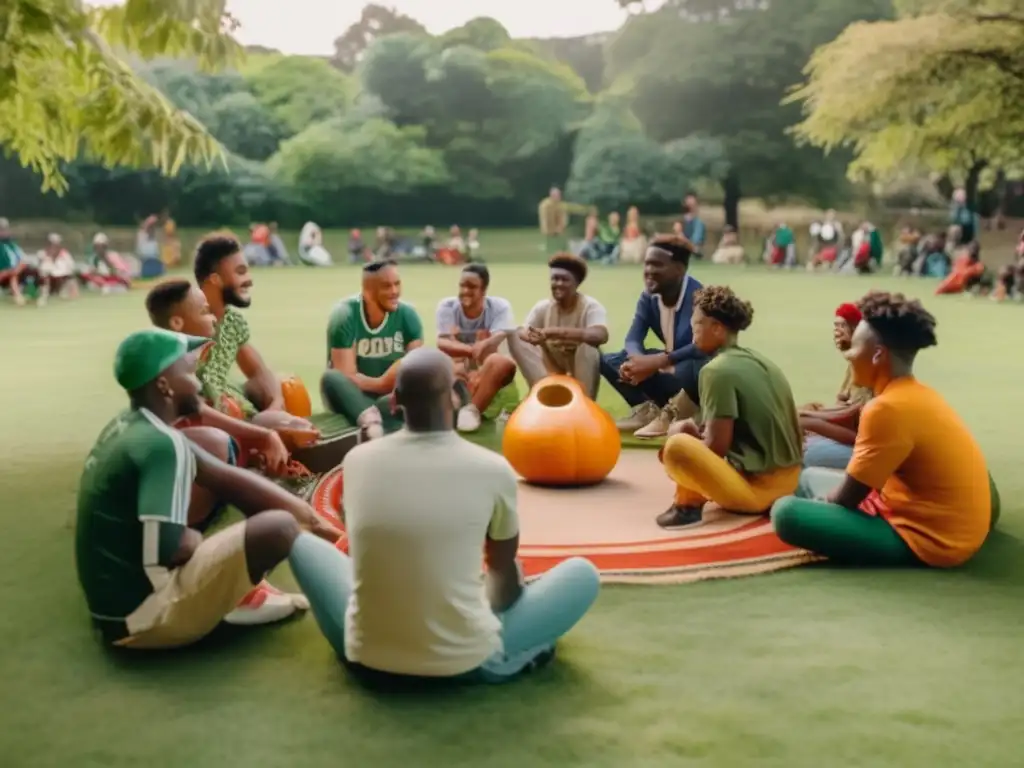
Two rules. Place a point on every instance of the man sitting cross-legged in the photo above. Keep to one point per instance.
(149, 579)
(409, 603)
(563, 334)
(470, 329)
(177, 305)
(223, 275)
(917, 490)
(747, 453)
(660, 385)
(367, 337)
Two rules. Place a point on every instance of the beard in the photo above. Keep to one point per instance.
(233, 299)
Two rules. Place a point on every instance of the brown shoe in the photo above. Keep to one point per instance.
(680, 517)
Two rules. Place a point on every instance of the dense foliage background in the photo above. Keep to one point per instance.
(405, 128)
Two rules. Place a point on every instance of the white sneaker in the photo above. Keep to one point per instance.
(468, 419)
(658, 426)
(265, 605)
(638, 418)
(370, 421)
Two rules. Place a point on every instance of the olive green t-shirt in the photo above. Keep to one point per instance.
(745, 386)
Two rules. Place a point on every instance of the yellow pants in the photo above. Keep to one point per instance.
(701, 475)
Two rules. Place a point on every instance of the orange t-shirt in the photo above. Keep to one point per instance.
(933, 481)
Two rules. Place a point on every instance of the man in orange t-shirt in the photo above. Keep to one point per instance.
(917, 489)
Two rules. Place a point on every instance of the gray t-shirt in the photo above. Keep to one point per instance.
(452, 321)
(588, 313)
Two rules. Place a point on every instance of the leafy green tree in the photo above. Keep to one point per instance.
(65, 88)
(395, 70)
(483, 33)
(487, 112)
(375, 22)
(300, 90)
(726, 80)
(940, 88)
(245, 127)
(328, 160)
(616, 165)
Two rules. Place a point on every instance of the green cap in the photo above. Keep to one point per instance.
(146, 354)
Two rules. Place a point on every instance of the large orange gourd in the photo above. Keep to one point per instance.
(559, 436)
(296, 397)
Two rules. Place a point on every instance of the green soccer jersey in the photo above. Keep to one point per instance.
(378, 348)
(140, 470)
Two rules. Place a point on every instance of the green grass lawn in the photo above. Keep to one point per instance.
(815, 666)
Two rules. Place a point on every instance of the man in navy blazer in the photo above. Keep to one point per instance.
(659, 384)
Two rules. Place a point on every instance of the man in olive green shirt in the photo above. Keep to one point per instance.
(553, 220)
(748, 451)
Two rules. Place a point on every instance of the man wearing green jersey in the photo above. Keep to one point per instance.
(151, 581)
(367, 337)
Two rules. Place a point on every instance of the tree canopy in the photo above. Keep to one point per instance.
(475, 125)
(65, 89)
(940, 88)
(719, 68)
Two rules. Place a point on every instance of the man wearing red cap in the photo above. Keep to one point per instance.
(831, 432)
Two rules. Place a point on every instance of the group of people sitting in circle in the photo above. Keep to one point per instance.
(399, 595)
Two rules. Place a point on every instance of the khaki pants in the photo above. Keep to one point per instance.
(196, 596)
(535, 365)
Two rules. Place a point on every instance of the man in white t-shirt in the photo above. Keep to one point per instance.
(422, 507)
(471, 328)
(563, 334)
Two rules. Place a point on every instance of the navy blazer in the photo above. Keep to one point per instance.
(647, 318)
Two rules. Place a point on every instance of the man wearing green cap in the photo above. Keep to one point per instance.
(151, 581)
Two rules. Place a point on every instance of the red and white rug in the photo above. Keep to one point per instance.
(612, 525)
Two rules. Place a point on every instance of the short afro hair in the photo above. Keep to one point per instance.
(720, 303)
(480, 271)
(164, 298)
(903, 325)
(571, 263)
(211, 251)
(680, 248)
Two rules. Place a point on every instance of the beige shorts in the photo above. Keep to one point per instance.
(196, 597)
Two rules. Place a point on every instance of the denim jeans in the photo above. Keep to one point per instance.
(547, 609)
(659, 388)
(823, 452)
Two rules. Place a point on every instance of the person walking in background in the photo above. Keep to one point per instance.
(693, 226)
(634, 244)
(170, 250)
(553, 220)
(961, 215)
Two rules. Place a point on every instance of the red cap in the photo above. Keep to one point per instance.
(850, 314)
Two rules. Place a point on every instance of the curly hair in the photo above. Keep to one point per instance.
(571, 263)
(719, 302)
(211, 251)
(902, 324)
